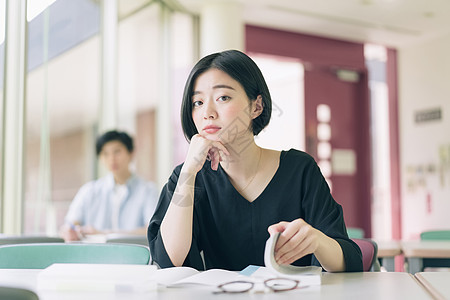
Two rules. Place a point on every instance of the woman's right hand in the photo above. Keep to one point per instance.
(176, 227)
(201, 149)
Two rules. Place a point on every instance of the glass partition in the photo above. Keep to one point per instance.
(2, 68)
(184, 57)
(62, 91)
(138, 83)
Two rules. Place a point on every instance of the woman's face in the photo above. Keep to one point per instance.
(221, 109)
(116, 157)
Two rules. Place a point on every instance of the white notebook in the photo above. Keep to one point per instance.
(97, 277)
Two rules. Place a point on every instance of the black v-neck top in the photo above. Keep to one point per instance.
(232, 231)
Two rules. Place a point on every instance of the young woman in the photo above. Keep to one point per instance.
(230, 194)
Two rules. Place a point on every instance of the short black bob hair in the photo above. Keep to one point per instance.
(114, 135)
(242, 69)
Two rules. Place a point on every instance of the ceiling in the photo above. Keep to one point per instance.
(393, 23)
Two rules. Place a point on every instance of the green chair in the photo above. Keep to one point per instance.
(15, 293)
(435, 235)
(355, 233)
(40, 256)
(28, 239)
(436, 264)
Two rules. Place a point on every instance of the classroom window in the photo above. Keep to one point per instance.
(63, 82)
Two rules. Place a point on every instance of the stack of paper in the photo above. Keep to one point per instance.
(97, 277)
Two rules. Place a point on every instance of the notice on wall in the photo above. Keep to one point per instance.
(343, 162)
(428, 115)
(419, 175)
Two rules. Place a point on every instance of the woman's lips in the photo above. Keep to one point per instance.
(211, 129)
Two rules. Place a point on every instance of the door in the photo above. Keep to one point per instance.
(337, 136)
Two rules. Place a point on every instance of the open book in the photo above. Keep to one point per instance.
(178, 276)
(310, 275)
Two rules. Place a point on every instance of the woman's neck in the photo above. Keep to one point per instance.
(245, 164)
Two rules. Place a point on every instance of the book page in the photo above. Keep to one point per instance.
(212, 277)
(288, 271)
(169, 276)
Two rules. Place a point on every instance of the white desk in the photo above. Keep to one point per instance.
(415, 251)
(387, 251)
(437, 283)
(367, 286)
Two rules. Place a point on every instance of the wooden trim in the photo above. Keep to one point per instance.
(429, 287)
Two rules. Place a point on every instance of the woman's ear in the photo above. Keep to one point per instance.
(257, 107)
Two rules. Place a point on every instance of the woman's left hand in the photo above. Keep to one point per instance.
(297, 239)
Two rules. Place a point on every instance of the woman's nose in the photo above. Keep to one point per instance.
(210, 111)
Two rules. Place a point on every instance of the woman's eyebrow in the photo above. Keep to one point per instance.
(223, 86)
(219, 86)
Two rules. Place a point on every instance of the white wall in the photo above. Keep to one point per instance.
(424, 83)
(284, 78)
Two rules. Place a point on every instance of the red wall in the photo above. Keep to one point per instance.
(308, 48)
(321, 57)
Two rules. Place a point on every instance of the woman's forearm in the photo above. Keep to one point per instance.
(329, 254)
(176, 227)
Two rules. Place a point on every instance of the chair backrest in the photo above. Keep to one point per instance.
(369, 250)
(355, 233)
(127, 239)
(28, 239)
(15, 293)
(437, 235)
(435, 264)
(40, 256)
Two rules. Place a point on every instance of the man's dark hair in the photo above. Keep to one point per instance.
(114, 135)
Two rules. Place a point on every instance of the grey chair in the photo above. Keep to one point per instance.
(28, 239)
(15, 293)
(127, 239)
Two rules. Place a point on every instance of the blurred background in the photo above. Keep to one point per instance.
(361, 85)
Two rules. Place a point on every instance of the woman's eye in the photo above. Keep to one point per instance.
(224, 98)
(197, 103)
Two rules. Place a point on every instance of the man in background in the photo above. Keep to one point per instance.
(120, 202)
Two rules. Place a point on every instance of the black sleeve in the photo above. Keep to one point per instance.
(325, 214)
(156, 244)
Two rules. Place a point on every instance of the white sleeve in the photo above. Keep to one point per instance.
(76, 210)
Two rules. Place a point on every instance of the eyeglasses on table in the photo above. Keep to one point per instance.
(243, 286)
